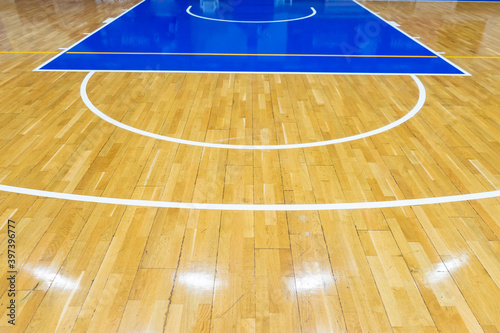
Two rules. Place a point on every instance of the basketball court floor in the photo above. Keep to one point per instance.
(249, 166)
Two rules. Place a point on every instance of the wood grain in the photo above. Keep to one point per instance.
(88, 267)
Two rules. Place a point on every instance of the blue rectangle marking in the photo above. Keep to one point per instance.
(340, 37)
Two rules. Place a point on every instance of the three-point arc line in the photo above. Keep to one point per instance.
(250, 207)
(99, 113)
(254, 207)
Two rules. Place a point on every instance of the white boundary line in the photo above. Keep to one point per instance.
(415, 40)
(242, 72)
(234, 21)
(251, 207)
(81, 40)
(414, 111)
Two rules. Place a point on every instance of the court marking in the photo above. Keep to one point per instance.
(234, 72)
(463, 73)
(262, 54)
(151, 203)
(235, 21)
(100, 114)
(251, 207)
(472, 57)
(27, 52)
(38, 69)
(416, 40)
(267, 55)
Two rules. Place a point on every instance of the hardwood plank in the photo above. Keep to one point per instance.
(91, 267)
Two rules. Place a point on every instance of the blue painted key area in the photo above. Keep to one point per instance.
(251, 36)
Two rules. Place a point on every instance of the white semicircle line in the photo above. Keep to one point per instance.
(251, 207)
(413, 112)
(234, 21)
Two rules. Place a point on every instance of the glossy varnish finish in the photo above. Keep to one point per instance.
(87, 267)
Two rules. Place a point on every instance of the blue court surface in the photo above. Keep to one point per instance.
(263, 36)
(438, 0)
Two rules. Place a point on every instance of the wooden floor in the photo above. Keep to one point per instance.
(94, 267)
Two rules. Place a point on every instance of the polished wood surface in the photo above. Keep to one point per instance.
(93, 267)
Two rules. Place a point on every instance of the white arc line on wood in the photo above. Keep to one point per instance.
(251, 207)
(413, 112)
